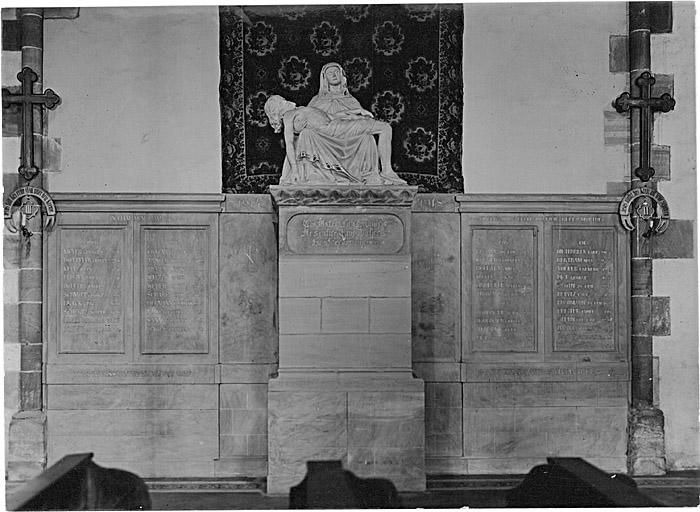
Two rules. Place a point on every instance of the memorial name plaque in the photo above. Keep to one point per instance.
(91, 291)
(345, 234)
(174, 288)
(503, 315)
(583, 289)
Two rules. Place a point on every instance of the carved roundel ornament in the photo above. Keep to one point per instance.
(645, 204)
(24, 204)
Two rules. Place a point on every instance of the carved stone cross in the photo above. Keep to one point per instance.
(647, 106)
(27, 100)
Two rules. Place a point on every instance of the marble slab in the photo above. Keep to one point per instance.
(303, 426)
(248, 288)
(435, 295)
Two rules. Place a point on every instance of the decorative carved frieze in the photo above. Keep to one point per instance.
(343, 195)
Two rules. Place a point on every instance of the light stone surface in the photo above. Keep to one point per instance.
(302, 427)
(344, 315)
(390, 315)
(386, 436)
(319, 277)
(443, 419)
(248, 287)
(435, 296)
(300, 315)
(163, 430)
(345, 390)
(345, 351)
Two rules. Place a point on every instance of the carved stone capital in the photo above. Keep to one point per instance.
(343, 195)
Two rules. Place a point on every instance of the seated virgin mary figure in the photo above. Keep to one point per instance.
(323, 148)
(333, 95)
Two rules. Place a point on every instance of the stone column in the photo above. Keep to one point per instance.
(27, 432)
(646, 446)
(345, 389)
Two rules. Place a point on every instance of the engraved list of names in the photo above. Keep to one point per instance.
(584, 289)
(503, 290)
(91, 291)
(174, 303)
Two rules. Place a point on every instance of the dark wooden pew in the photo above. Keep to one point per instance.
(76, 483)
(573, 482)
(327, 485)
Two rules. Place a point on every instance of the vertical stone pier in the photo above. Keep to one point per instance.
(345, 388)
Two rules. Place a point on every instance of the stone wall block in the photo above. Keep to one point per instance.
(443, 445)
(10, 249)
(51, 153)
(678, 241)
(300, 315)
(27, 441)
(233, 446)
(30, 390)
(612, 393)
(30, 322)
(30, 284)
(391, 315)
(248, 422)
(248, 323)
(660, 161)
(641, 321)
(10, 180)
(234, 396)
(11, 382)
(616, 128)
(661, 316)
(344, 315)
(257, 396)
(618, 59)
(436, 314)
(257, 445)
(18, 471)
(664, 84)
(646, 446)
(10, 317)
(225, 422)
(10, 286)
(30, 357)
(617, 188)
(443, 394)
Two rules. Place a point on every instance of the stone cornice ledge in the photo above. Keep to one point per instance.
(343, 195)
(149, 202)
(537, 203)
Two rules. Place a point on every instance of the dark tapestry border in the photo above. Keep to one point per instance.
(250, 150)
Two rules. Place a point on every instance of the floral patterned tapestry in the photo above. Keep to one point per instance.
(403, 63)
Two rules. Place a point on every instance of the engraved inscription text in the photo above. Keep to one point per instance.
(345, 234)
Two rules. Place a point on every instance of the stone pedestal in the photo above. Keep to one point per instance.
(26, 445)
(646, 451)
(345, 389)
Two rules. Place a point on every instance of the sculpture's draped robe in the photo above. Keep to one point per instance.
(340, 151)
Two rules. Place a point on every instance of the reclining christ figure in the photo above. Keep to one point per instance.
(323, 148)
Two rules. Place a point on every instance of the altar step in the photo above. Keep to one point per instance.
(234, 484)
(437, 483)
(676, 479)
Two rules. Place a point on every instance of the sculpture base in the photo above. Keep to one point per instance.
(345, 389)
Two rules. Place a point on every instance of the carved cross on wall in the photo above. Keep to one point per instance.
(27, 100)
(647, 106)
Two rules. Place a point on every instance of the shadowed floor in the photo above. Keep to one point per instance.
(680, 489)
